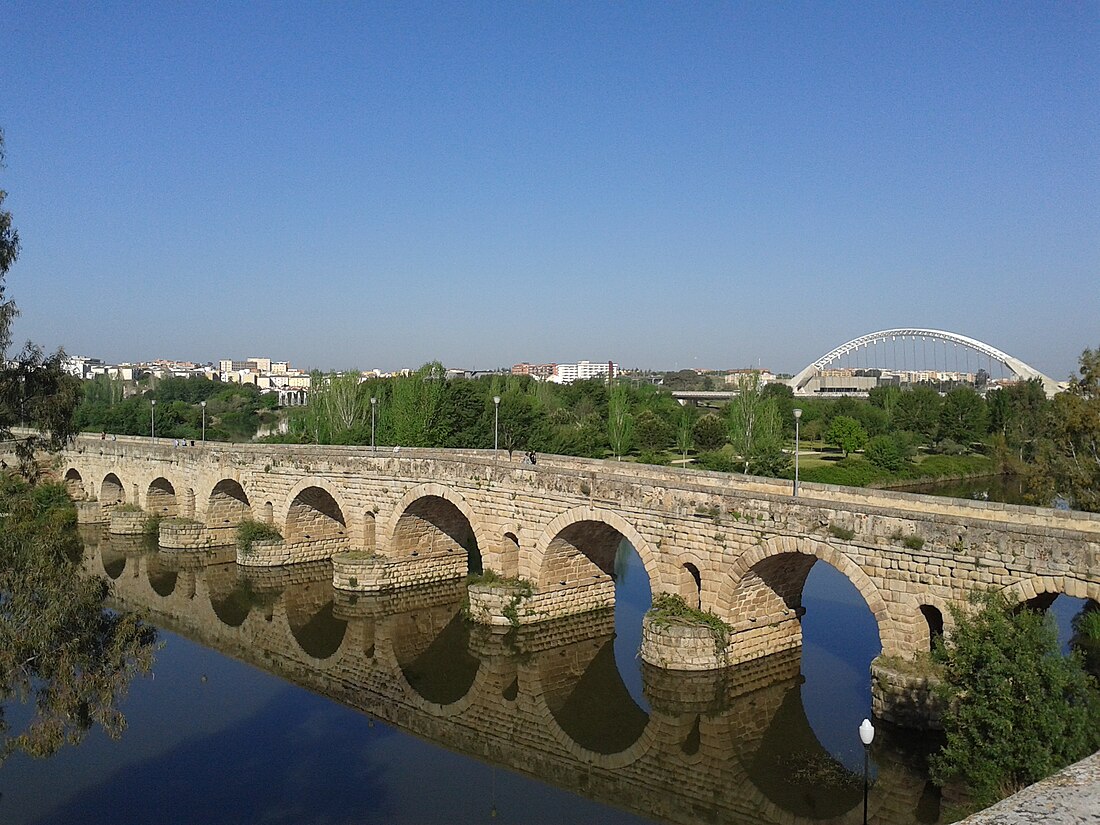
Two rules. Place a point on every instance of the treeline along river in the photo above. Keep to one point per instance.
(275, 698)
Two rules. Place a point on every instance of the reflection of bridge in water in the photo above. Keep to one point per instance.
(545, 700)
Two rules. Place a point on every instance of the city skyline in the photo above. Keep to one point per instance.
(711, 187)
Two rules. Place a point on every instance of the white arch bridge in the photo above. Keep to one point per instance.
(1015, 366)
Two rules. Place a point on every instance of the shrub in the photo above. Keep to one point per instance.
(1017, 710)
(887, 452)
(717, 461)
(249, 531)
(669, 609)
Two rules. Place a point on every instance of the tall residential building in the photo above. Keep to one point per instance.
(584, 370)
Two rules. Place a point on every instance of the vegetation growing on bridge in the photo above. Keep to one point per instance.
(671, 609)
(1017, 710)
(249, 532)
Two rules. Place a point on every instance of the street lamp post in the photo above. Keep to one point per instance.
(866, 736)
(797, 416)
(153, 421)
(203, 405)
(373, 407)
(496, 423)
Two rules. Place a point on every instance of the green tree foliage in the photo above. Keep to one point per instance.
(918, 410)
(34, 390)
(709, 432)
(755, 430)
(414, 413)
(60, 651)
(620, 422)
(1017, 709)
(887, 452)
(847, 434)
(651, 432)
(963, 417)
(1067, 463)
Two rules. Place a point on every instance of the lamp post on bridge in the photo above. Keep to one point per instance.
(866, 736)
(797, 416)
(203, 405)
(153, 421)
(373, 407)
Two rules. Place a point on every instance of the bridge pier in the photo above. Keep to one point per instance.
(368, 572)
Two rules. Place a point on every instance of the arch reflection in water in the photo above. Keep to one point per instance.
(544, 700)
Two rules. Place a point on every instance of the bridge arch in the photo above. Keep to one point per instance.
(74, 483)
(160, 498)
(566, 535)
(770, 578)
(314, 513)
(1015, 365)
(431, 519)
(227, 504)
(1025, 590)
(111, 491)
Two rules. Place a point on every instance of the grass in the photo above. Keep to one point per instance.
(842, 533)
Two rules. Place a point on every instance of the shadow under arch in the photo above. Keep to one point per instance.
(74, 483)
(228, 504)
(588, 699)
(111, 491)
(231, 595)
(161, 578)
(789, 766)
(314, 514)
(112, 559)
(583, 541)
(434, 521)
(160, 498)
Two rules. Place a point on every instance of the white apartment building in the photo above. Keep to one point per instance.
(583, 370)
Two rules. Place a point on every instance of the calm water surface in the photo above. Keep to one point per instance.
(277, 699)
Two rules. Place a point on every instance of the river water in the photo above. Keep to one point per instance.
(276, 699)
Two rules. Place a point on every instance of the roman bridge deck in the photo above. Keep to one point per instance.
(738, 546)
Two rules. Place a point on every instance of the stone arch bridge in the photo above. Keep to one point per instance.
(738, 546)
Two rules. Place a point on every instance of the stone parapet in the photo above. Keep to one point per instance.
(904, 694)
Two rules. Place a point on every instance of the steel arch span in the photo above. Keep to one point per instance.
(1014, 365)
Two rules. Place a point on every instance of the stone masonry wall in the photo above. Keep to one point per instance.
(906, 550)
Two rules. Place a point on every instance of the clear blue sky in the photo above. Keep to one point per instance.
(675, 184)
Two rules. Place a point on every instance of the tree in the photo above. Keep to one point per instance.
(34, 389)
(1067, 462)
(620, 423)
(1017, 710)
(685, 439)
(59, 648)
(887, 452)
(962, 416)
(755, 430)
(709, 432)
(651, 433)
(918, 410)
(847, 434)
